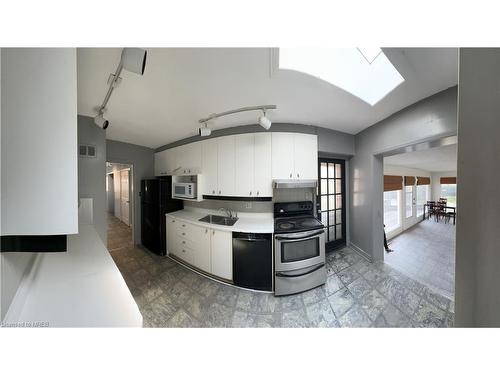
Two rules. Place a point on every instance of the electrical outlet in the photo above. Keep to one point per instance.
(248, 205)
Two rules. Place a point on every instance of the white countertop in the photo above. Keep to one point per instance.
(78, 288)
(247, 222)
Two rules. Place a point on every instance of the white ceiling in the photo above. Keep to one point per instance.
(439, 159)
(182, 85)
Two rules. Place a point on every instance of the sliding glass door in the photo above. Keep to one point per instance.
(331, 201)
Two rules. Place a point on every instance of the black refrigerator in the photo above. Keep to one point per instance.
(156, 201)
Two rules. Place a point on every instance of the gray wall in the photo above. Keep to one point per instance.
(111, 193)
(92, 172)
(330, 142)
(477, 277)
(142, 160)
(430, 119)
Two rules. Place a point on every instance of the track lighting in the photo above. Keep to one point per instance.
(100, 121)
(133, 60)
(204, 130)
(264, 121)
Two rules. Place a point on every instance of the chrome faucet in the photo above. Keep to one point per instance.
(228, 212)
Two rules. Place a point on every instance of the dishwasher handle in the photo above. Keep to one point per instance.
(252, 237)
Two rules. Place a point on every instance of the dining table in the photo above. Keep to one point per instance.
(446, 208)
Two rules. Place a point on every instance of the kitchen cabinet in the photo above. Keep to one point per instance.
(171, 236)
(282, 156)
(245, 165)
(225, 166)
(182, 160)
(305, 156)
(161, 166)
(209, 250)
(222, 254)
(209, 167)
(263, 180)
(294, 156)
(39, 150)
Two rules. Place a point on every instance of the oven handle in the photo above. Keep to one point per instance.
(309, 235)
(280, 274)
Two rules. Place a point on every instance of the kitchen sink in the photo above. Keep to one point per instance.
(220, 220)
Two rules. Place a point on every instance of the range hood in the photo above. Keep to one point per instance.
(293, 184)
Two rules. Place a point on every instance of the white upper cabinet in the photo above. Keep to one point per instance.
(243, 165)
(188, 158)
(282, 156)
(295, 156)
(305, 156)
(244, 168)
(161, 167)
(209, 167)
(39, 141)
(263, 184)
(225, 166)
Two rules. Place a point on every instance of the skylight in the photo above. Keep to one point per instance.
(364, 72)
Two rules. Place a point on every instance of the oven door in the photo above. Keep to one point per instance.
(299, 250)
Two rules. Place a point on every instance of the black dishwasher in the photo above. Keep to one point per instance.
(253, 260)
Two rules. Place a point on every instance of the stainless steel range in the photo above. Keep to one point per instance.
(299, 248)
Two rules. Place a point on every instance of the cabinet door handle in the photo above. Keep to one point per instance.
(257, 193)
(183, 251)
(183, 234)
(219, 192)
(206, 230)
(290, 175)
(173, 221)
(189, 170)
(298, 175)
(213, 191)
(250, 193)
(184, 242)
(184, 225)
(213, 232)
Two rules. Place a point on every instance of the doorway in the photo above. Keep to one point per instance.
(331, 201)
(120, 205)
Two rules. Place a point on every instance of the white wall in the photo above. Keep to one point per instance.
(436, 183)
(477, 277)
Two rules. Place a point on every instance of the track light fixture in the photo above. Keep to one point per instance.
(263, 120)
(204, 130)
(133, 60)
(100, 121)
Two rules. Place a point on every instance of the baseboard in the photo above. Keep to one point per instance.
(361, 252)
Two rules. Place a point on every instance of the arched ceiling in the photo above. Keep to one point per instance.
(182, 85)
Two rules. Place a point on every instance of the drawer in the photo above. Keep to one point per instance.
(185, 253)
(186, 242)
(192, 232)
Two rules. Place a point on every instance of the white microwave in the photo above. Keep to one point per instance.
(184, 190)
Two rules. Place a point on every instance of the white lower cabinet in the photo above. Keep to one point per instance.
(221, 243)
(207, 249)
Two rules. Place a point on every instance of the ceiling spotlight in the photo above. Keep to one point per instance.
(204, 130)
(134, 60)
(264, 121)
(100, 121)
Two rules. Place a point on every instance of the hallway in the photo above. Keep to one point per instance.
(119, 234)
(426, 253)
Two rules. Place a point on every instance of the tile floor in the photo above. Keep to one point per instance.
(426, 253)
(119, 234)
(357, 294)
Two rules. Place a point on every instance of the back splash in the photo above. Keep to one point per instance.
(279, 195)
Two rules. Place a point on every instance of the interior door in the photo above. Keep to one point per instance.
(410, 206)
(331, 201)
(124, 196)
